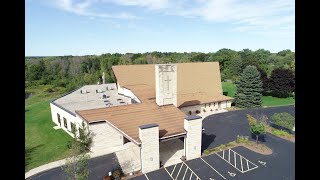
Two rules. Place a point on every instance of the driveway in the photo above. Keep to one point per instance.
(98, 167)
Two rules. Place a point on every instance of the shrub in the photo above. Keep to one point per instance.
(206, 151)
(280, 132)
(242, 139)
(48, 89)
(222, 146)
(283, 119)
(27, 94)
(231, 144)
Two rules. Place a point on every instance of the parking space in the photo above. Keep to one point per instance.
(204, 170)
(219, 166)
(236, 160)
(181, 171)
(161, 174)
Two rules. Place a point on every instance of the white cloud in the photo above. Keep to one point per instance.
(151, 4)
(244, 16)
(83, 8)
(256, 16)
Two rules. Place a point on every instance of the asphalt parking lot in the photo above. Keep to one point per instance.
(236, 163)
(219, 166)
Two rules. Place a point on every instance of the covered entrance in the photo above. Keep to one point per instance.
(171, 151)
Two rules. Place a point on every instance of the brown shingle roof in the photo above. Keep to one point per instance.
(135, 74)
(128, 118)
(196, 82)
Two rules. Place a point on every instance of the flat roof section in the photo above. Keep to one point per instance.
(89, 99)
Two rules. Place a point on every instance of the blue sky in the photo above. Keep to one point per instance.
(85, 27)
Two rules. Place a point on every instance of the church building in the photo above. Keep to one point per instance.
(153, 111)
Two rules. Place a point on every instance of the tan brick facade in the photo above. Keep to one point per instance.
(192, 143)
(150, 155)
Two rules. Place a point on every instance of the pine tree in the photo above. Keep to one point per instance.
(249, 88)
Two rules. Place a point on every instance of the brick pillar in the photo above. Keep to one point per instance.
(192, 144)
(150, 158)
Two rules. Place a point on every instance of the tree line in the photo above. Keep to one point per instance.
(74, 71)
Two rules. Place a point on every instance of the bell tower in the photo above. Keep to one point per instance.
(166, 84)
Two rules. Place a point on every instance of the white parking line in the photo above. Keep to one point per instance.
(191, 171)
(179, 171)
(185, 173)
(241, 164)
(190, 176)
(146, 176)
(235, 165)
(212, 168)
(168, 172)
(173, 169)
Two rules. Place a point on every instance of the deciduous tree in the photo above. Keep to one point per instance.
(282, 82)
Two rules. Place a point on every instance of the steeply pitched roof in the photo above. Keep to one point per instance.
(197, 83)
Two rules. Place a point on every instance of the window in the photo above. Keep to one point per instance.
(73, 127)
(197, 111)
(209, 104)
(205, 105)
(59, 121)
(65, 123)
(214, 104)
(190, 112)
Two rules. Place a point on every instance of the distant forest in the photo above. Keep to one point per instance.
(74, 71)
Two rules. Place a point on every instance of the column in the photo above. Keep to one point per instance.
(150, 156)
(192, 145)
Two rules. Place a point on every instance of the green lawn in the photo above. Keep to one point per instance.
(43, 144)
(274, 101)
(230, 88)
(266, 100)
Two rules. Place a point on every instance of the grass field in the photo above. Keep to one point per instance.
(43, 144)
(266, 100)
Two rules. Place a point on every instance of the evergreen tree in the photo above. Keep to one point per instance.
(249, 88)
